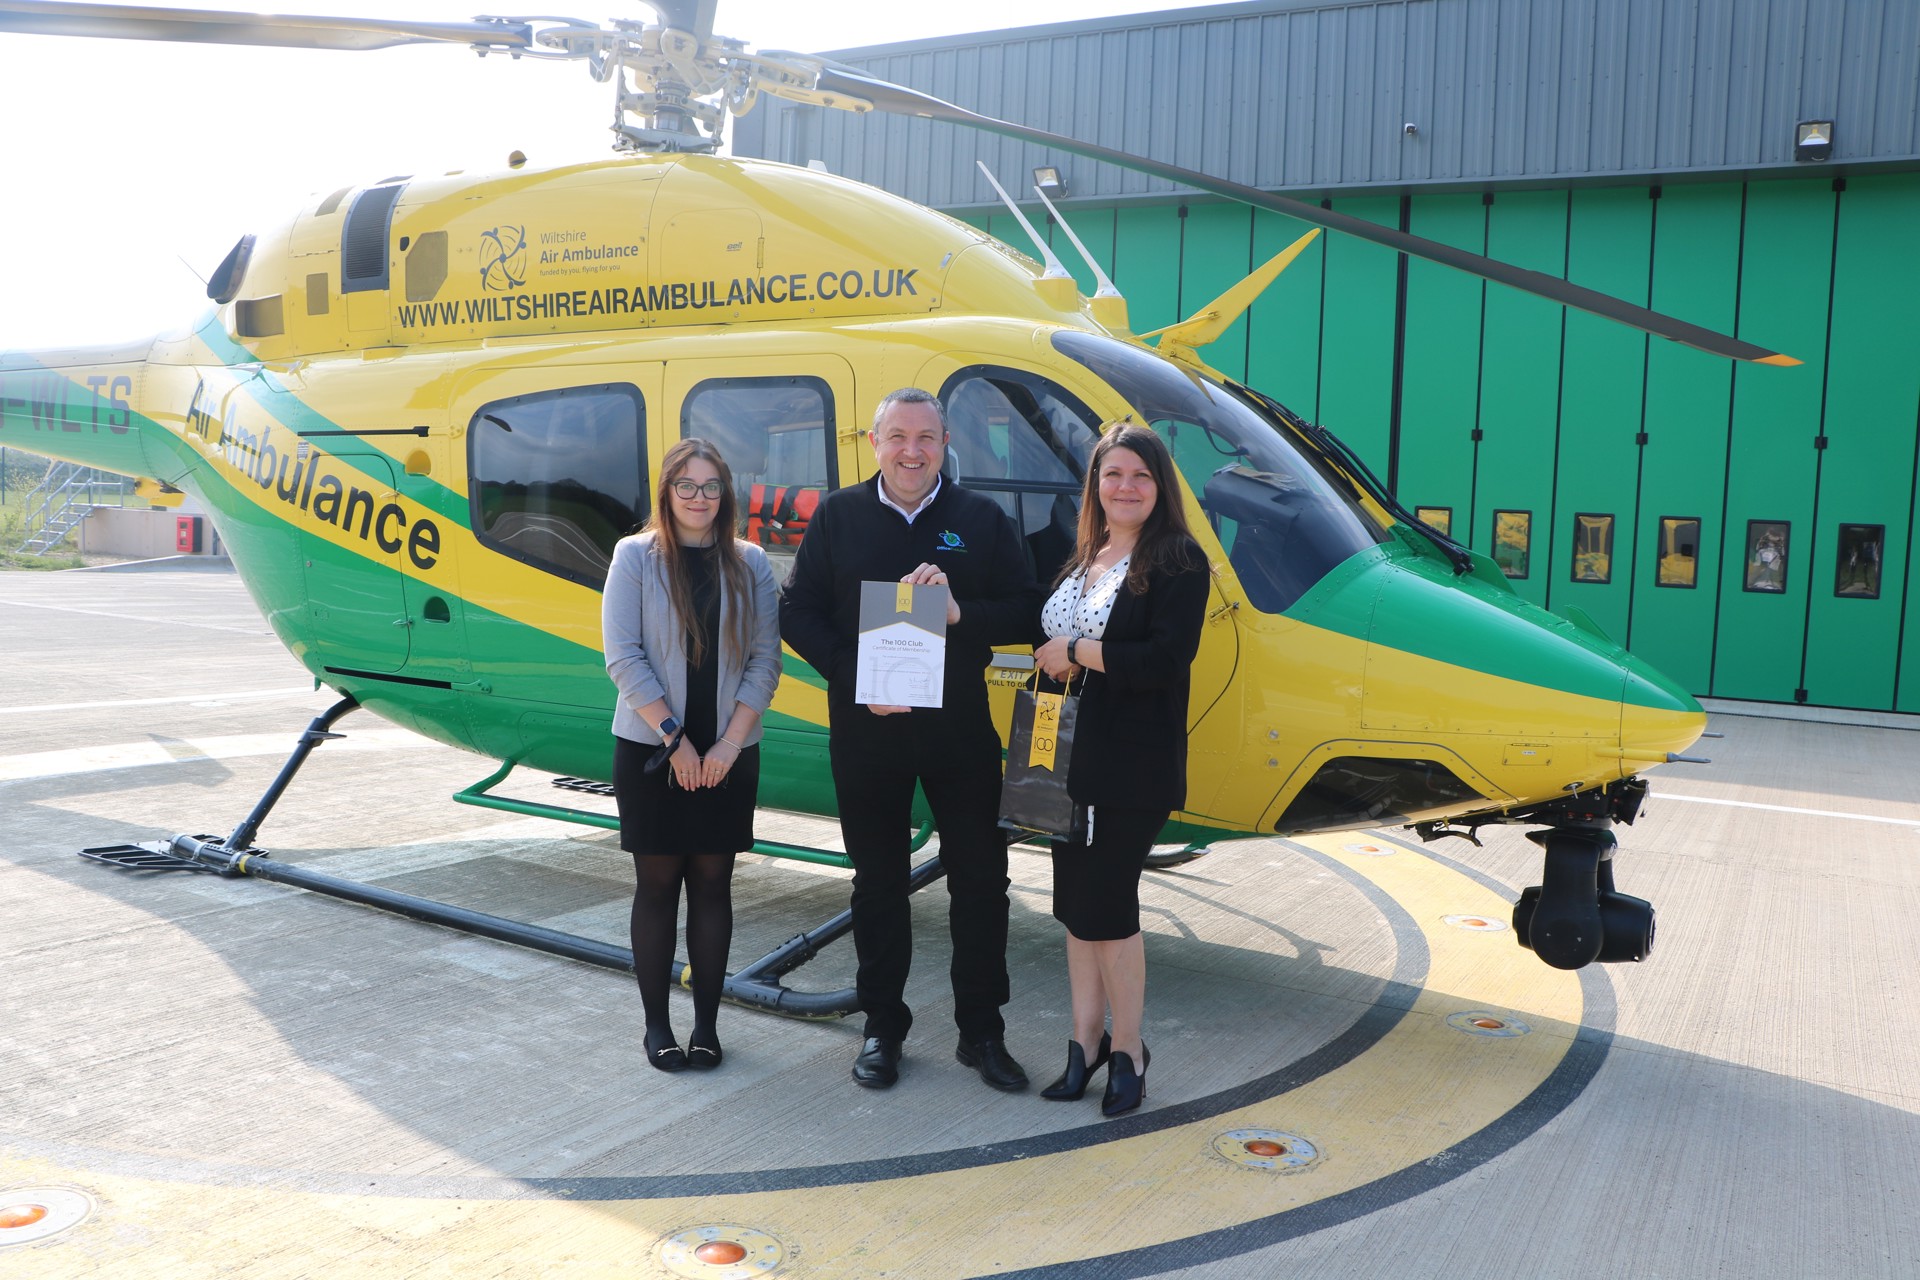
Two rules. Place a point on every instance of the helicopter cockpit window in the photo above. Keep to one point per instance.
(775, 434)
(1285, 517)
(559, 477)
(1022, 441)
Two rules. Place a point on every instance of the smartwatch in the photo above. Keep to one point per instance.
(1071, 660)
(669, 728)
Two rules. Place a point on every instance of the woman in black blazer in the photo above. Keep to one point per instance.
(1124, 622)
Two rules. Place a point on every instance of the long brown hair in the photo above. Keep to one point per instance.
(736, 585)
(1165, 542)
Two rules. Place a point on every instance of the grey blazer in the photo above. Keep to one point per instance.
(646, 652)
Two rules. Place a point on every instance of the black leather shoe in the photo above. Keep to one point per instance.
(1072, 1084)
(878, 1065)
(995, 1065)
(1125, 1087)
(664, 1053)
(704, 1054)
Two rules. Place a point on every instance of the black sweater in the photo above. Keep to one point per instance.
(852, 538)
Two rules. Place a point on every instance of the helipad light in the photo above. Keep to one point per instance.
(721, 1251)
(28, 1214)
(1268, 1150)
(1481, 1022)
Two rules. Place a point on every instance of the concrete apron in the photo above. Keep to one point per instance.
(1356, 1070)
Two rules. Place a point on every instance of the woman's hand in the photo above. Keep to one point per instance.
(687, 766)
(1051, 658)
(718, 763)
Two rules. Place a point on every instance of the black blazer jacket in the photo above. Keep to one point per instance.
(1130, 741)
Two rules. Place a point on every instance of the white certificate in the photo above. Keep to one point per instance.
(903, 645)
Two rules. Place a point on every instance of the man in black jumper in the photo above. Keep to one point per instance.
(907, 525)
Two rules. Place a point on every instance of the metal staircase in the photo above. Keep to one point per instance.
(56, 505)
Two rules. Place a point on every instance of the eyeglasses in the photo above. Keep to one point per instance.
(711, 489)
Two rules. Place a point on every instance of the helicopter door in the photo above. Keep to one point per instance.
(358, 605)
(778, 424)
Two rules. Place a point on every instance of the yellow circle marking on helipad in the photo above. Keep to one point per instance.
(1419, 1090)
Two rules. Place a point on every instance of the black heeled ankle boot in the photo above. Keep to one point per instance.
(1072, 1084)
(1126, 1088)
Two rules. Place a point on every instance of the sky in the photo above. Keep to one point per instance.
(132, 167)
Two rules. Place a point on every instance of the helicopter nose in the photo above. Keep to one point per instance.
(1455, 655)
(1658, 718)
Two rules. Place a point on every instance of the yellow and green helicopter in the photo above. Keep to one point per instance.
(422, 412)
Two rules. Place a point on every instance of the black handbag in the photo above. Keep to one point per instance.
(1033, 796)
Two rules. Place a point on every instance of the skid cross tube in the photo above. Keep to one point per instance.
(480, 794)
(757, 986)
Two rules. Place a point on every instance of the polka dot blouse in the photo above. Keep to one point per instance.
(1074, 609)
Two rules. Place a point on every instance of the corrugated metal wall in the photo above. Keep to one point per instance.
(1282, 94)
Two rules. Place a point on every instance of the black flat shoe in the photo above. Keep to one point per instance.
(878, 1065)
(1072, 1084)
(1126, 1088)
(995, 1065)
(665, 1057)
(704, 1055)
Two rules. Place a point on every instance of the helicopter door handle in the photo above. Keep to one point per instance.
(1223, 611)
(403, 622)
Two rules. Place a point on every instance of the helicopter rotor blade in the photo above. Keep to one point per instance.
(899, 100)
(214, 26)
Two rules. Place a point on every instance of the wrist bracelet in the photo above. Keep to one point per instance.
(730, 742)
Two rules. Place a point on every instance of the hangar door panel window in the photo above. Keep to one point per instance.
(558, 477)
(1023, 441)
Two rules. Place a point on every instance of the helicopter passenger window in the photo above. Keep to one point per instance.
(1285, 516)
(775, 435)
(559, 477)
(1022, 441)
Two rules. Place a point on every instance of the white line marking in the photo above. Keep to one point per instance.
(155, 702)
(134, 617)
(1781, 808)
(138, 755)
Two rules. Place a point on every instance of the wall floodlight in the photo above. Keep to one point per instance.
(1051, 181)
(1813, 140)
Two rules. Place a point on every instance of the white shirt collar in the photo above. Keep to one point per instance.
(880, 484)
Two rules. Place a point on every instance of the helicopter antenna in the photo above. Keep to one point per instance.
(1054, 270)
(1106, 289)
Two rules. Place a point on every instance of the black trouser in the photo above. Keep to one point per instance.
(874, 784)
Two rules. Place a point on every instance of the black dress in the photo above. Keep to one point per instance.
(656, 815)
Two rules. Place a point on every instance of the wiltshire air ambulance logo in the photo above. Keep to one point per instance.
(503, 258)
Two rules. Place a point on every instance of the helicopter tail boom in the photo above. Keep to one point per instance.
(78, 405)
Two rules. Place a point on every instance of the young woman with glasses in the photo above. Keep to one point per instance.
(690, 621)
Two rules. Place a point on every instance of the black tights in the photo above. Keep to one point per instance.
(656, 903)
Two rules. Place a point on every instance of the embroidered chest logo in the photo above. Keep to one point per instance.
(950, 541)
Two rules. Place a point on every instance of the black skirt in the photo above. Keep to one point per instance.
(1096, 887)
(658, 817)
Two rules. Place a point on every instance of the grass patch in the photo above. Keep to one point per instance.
(13, 519)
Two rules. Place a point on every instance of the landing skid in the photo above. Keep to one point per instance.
(757, 986)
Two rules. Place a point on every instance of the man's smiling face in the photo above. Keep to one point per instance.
(909, 445)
